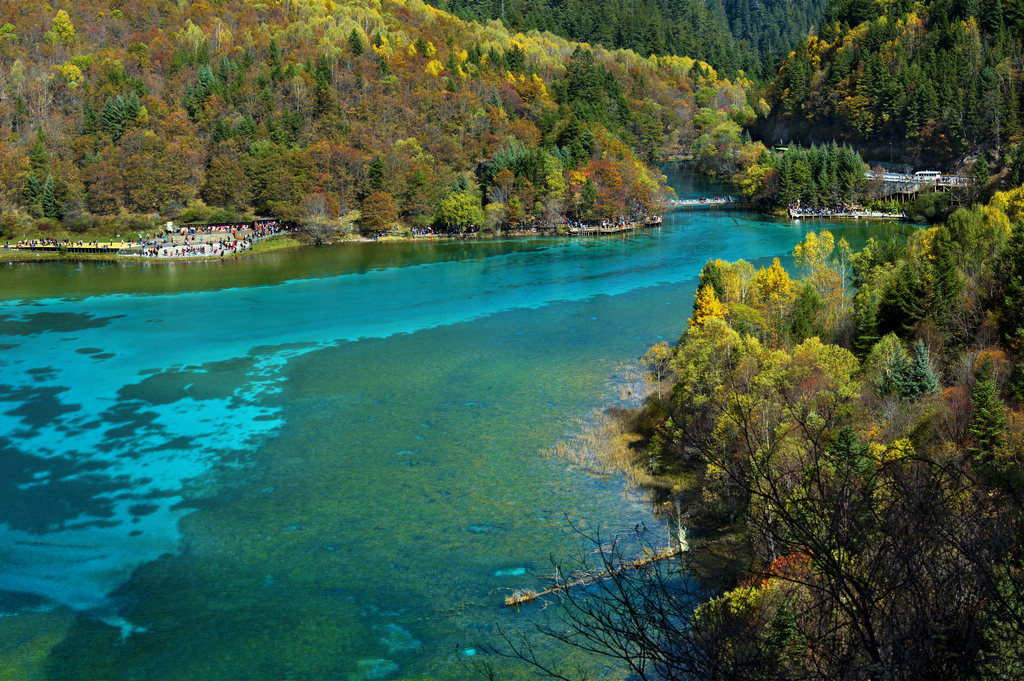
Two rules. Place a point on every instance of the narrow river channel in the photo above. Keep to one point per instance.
(322, 463)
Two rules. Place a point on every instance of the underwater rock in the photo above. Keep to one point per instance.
(484, 529)
(511, 572)
(397, 639)
(376, 668)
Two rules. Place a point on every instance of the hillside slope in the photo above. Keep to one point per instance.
(940, 80)
(752, 35)
(385, 107)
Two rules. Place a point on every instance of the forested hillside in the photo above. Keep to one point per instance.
(772, 28)
(752, 35)
(393, 109)
(939, 80)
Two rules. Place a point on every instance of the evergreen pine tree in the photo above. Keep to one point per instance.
(848, 452)
(355, 43)
(38, 157)
(919, 377)
(115, 117)
(1016, 178)
(988, 424)
(1010, 277)
(274, 57)
(132, 107)
(50, 207)
(867, 325)
(901, 304)
(33, 190)
(945, 278)
(375, 173)
(803, 319)
(980, 176)
(893, 380)
(247, 127)
(712, 275)
(90, 118)
(324, 85)
(20, 113)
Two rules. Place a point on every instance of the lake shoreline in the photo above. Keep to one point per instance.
(289, 241)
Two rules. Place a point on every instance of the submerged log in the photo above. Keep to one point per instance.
(520, 596)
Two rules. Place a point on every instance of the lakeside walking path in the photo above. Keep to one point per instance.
(182, 243)
(797, 213)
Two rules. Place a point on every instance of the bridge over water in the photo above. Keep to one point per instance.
(727, 202)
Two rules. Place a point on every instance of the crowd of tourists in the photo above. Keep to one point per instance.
(197, 248)
(199, 241)
(186, 241)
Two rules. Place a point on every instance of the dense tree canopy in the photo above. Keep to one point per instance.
(940, 80)
(151, 107)
(749, 35)
(864, 461)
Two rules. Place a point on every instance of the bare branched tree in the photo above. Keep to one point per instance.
(317, 223)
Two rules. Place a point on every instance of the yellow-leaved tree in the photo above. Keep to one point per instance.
(63, 31)
(658, 363)
(707, 305)
(813, 253)
(775, 294)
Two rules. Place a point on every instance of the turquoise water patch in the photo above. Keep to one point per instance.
(97, 474)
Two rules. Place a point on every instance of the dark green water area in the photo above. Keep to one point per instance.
(320, 464)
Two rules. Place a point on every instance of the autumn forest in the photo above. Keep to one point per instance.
(387, 113)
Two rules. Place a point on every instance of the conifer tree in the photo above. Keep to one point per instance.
(33, 190)
(324, 85)
(848, 452)
(803, 319)
(115, 117)
(49, 200)
(980, 176)
(894, 377)
(1010, 277)
(867, 335)
(712, 275)
(901, 305)
(945, 278)
(988, 424)
(355, 43)
(274, 57)
(920, 379)
(375, 173)
(1016, 177)
(38, 157)
(90, 118)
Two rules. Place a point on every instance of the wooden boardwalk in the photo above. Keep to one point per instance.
(712, 202)
(596, 230)
(844, 215)
(103, 248)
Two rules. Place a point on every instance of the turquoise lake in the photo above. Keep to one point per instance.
(320, 463)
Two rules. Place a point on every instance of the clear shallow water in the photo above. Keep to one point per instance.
(321, 464)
